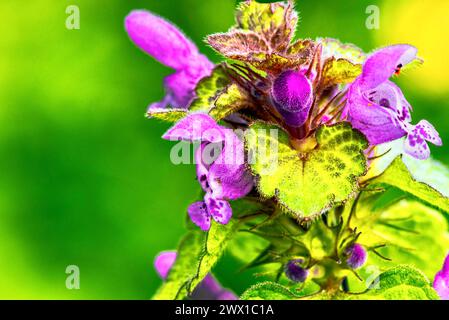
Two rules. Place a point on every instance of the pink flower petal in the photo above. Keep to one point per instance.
(160, 39)
(428, 132)
(163, 263)
(196, 127)
(220, 210)
(441, 281)
(383, 63)
(199, 215)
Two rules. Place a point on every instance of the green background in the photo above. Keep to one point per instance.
(85, 178)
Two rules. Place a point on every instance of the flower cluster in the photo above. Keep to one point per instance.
(298, 86)
(330, 104)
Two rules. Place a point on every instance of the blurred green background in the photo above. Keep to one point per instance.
(86, 179)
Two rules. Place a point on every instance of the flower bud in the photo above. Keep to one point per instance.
(292, 96)
(295, 272)
(356, 256)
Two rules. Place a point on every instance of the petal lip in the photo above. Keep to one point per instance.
(219, 209)
(160, 39)
(199, 215)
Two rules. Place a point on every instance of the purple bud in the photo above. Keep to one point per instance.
(356, 256)
(292, 96)
(295, 272)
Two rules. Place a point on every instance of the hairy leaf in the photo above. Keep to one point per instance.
(208, 89)
(239, 45)
(401, 283)
(273, 63)
(334, 48)
(339, 71)
(229, 101)
(197, 254)
(397, 175)
(411, 233)
(167, 114)
(268, 291)
(275, 22)
(307, 183)
(431, 172)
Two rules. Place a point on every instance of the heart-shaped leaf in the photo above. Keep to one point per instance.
(307, 183)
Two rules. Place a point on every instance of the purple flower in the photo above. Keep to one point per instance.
(168, 45)
(295, 272)
(208, 289)
(220, 167)
(378, 108)
(441, 281)
(292, 96)
(356, 256)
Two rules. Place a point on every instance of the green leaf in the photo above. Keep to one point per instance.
(272, 63)
(268, 291)
(411, 232)
(276, 22)
(430, 171)
(239, 45)
(167, 114)
(218, 96)
(307, 183)
(208, 89)
(397, 175)
(348, 51)
(339, 71)
(229, 101)
(401, 283)
(197, 254)
(247, 246)
(184, 269)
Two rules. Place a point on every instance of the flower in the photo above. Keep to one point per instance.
(208, 289)
(168, 45)
(295, 272)
(163, 263)
(220, 167)
(356, 256)
(377, 107)
(441, 281)
(292, 96)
